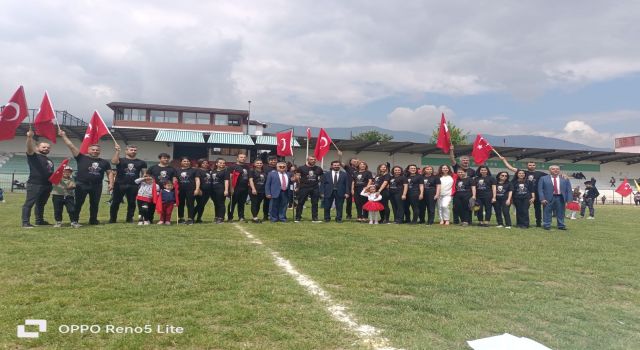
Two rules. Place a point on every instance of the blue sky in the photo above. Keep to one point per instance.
(537, 67)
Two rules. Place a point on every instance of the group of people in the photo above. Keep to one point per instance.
(409, 195)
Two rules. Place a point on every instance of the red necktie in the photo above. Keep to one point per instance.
(555, 186)
(283, 183)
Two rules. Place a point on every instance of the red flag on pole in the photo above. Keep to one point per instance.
(624, 189)
(13, 114)
(56, 177)
(481, 150)
(322, 145)
(43, 123)
(96, 129)
(176, 190)
(284, 143)
(444, 136)
(308, 133)
(156, 197)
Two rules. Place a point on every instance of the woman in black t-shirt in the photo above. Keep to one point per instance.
(218, 191)
(398, 188)
(205, 188)
(361, 179)
(485, 186)
(381, 181)
(503, 199)
(523, 195)
(416, 192)
(189, 183)
(257, 180)
(464, 191)
(428, 202)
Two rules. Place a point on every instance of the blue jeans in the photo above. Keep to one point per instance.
(278, 207)
(556, 205)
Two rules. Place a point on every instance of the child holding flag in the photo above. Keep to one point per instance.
(63, 195)
(168, 197)
(145, 198)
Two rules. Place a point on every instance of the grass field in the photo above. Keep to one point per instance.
(422, 287)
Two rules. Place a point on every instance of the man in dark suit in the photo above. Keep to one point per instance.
(554, 192)
(277, 190)
(334, 187)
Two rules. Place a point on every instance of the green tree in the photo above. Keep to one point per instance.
(373, 135)
(458, 135)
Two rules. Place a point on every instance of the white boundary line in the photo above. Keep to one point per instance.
(369, 335)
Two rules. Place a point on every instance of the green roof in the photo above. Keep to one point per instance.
(179, 136)
(271, 141)
(230, 139)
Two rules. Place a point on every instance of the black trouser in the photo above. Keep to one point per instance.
(201, 202)
(502, 210)
(484, 212)
(398, 206)
(537, 208)
(265, 208)
(428, 206)
(303, 194)
(37, 195)
(120, 191)
(94, 192)
(360, 201)
(145, 209)
(461, 207)
(328, 200)
(587, 203)
(239, 198)
(187, 198)
(218, 198)
(413, 198)
(522, 211)
(59, 203)
(349, 205)
(256, 200)
(384, 214)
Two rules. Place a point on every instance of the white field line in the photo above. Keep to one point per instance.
(369, 335)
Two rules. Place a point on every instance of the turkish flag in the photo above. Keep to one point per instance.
(13, 114)
(308, 133)
(624, 189)
(44, 119)
(284, 143)
(56, 177)
(96, 129)
(444, 136)
(156, 197)
(176, 191)
(481, 150)
(322, 145)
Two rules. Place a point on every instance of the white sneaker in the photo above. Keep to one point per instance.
(370, 222)
(316, 221)
(573, 218)
(498, 226)
(160, 222)
(590, 218)
(509, 227)
(75, 225)
(147, 223)
(140, 223)
(58, 224)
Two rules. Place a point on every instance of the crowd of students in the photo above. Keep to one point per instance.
(399, 195)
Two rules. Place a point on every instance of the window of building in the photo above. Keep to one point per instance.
(221, 119)
(234, 120)
(131, 114)
(227, 151)
(164, 116)
(195, 118)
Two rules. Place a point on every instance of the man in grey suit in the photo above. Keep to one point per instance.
(334, 187)
(277, 190)
(554, 192)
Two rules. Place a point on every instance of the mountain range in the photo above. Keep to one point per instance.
(531, 141)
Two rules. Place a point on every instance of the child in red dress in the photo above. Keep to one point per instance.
(373, 206)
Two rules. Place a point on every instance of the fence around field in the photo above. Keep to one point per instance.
(17, 182)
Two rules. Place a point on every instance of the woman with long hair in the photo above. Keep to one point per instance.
(218, 191)
(398, 188)
(381, 182)
(205, 187)
(485, 196)
(464, 191)
(428, 202)
(444, 193)
(189, 188)
(362, 178)
(503, 200)
(416, 192)
(523, 196)
(257, 180)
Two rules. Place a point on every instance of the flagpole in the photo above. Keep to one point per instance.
(334, 145)
(307, 157)
(498, 154)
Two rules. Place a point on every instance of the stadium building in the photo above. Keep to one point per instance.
(211, 133)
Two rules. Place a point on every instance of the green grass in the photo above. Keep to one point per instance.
(426, 288)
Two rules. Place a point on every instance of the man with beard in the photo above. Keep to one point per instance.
(533, 176)
(38, 185)
(239, 192)
(91, 171)
(350, 169)
(309, 174)
(128, 169)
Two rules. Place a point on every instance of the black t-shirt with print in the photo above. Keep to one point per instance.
(380, 179)
(128, 170)
(187, 178)
(522, 189)
(484, 186)
(361, 179)
(243, 178)
(533, 176)
(309, 175)
(463, 187)
(430, 183)
(414, 183)
(205, 179)
(91, 170)
(396, 184)
(470, 172)
(503, 189)
(217, 178)
(40, 169)
(162, 174)
(259, 179)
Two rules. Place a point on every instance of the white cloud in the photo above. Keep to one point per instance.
(422, 119)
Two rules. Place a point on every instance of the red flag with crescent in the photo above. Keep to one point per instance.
(56, 177)
(444, 136)
(156, 197)
(13, 113)
(285, 143)
(322, 145)
(96, 129)
(625, 188)
(308, 133)
(481, 150)
(43, 123)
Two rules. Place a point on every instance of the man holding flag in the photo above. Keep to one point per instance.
(38, 185)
